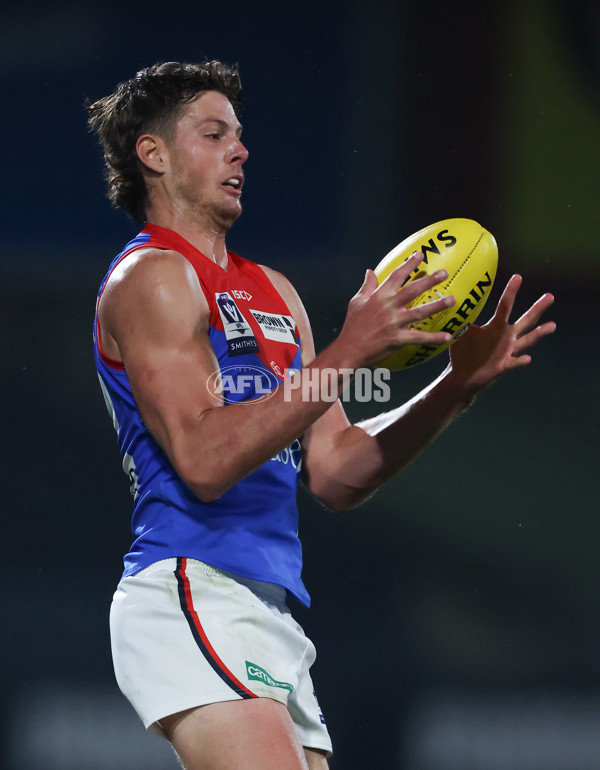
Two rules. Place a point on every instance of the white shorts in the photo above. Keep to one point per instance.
(185, 634)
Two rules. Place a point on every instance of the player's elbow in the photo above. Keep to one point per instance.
(339, 497)
(207, 483)
(207, 491)
(336, 506)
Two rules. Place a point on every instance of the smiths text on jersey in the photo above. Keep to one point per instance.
(238, 333)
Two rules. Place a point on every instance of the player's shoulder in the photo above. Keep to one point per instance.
(292, 299)
(274, 275)
(150, 264)
(153, 275)
(160, 281)
(284, 286)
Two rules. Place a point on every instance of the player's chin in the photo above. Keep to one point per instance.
(228, 213)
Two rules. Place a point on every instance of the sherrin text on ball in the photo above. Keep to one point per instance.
(468, 252)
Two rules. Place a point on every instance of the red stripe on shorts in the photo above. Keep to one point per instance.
(199, 634)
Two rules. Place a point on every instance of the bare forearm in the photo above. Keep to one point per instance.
(359, 459)
(220, 446)
(373, 451)
(168, 358)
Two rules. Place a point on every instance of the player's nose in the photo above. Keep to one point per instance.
(238, 152)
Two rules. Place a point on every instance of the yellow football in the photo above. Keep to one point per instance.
(470, 255)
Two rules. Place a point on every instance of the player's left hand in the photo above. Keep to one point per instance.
(484, 353)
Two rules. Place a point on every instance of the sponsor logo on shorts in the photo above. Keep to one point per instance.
(259, 674)
(321, 717)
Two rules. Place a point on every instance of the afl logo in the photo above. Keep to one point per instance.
(242, 384)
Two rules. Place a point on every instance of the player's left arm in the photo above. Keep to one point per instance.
(343, 464)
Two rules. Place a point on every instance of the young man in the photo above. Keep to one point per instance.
(204, 645)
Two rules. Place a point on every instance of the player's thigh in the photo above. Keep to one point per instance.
(253, 734)
(315, 759)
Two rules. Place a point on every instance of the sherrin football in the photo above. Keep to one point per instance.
(470, 255)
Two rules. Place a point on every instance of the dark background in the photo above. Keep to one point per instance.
(456, 615)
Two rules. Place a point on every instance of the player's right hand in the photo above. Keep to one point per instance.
(379, 320)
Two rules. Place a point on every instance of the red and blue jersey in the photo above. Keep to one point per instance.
(251, 530)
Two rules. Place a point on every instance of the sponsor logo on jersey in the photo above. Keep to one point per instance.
(259, 674)
(277, 369)
(128, 461)
(129, 468)
(238, 333)
(292, 455)
(275, 326)
(241, 294)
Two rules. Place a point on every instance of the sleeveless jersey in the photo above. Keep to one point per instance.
(251, 530)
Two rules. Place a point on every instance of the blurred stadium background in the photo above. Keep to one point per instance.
(457, 614)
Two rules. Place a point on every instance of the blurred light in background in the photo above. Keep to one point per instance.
(548, 119)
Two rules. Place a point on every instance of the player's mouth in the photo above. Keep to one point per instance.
(234, 185)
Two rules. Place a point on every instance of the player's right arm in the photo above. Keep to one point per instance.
(154, 317)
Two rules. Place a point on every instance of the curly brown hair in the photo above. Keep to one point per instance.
(152, 102)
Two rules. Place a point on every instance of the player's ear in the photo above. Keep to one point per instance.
(152, 152)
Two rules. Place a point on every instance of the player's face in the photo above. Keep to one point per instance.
(207, 156)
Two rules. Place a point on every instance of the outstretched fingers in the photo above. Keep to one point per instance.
(531, 316)
(527, 330)
(531, 338)
(507, 300)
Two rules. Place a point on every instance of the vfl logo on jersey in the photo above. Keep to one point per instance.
(274, 326)
(239, 335)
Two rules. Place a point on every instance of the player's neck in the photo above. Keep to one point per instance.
(208, 239)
